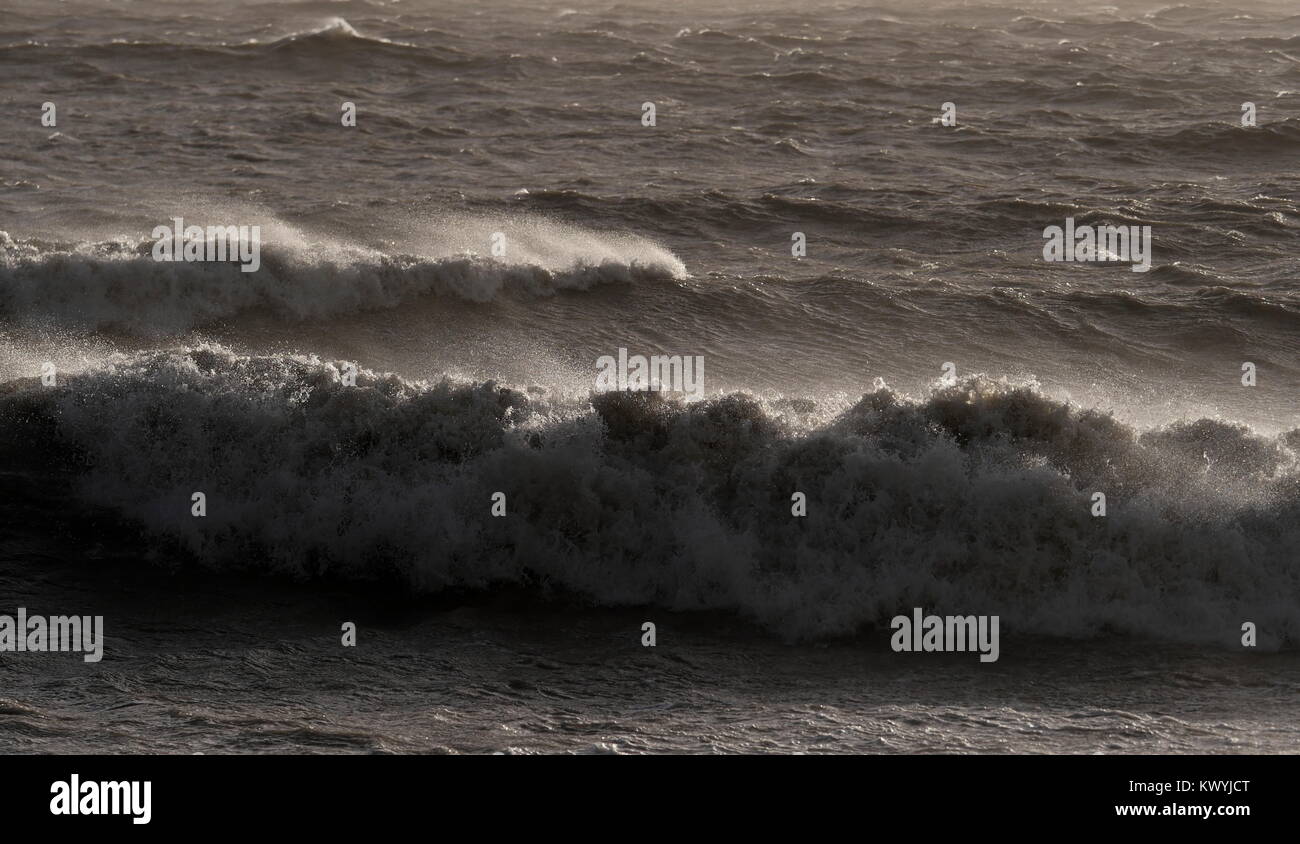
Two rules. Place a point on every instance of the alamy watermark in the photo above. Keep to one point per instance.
(666, 373)
(74, 797)
(215, 243)
(952, 633)
(58, 633)
(1121, 244)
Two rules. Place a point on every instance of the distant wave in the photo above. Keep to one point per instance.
(975, 499)
(332, 40)
(1212, 139)
(737, 213)
(333, 32)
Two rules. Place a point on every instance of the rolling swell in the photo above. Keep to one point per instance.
(973, 499)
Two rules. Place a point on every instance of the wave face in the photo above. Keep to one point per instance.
(975, 499)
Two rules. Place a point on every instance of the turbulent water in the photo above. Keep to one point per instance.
(329, 502)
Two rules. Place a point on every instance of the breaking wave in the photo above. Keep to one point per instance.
(974, 499)
(117, 284)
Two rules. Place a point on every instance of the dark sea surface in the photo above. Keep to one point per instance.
(329, 503)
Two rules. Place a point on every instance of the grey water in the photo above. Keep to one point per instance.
(370, 504)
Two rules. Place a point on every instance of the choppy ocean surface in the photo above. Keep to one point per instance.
(370, 503)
